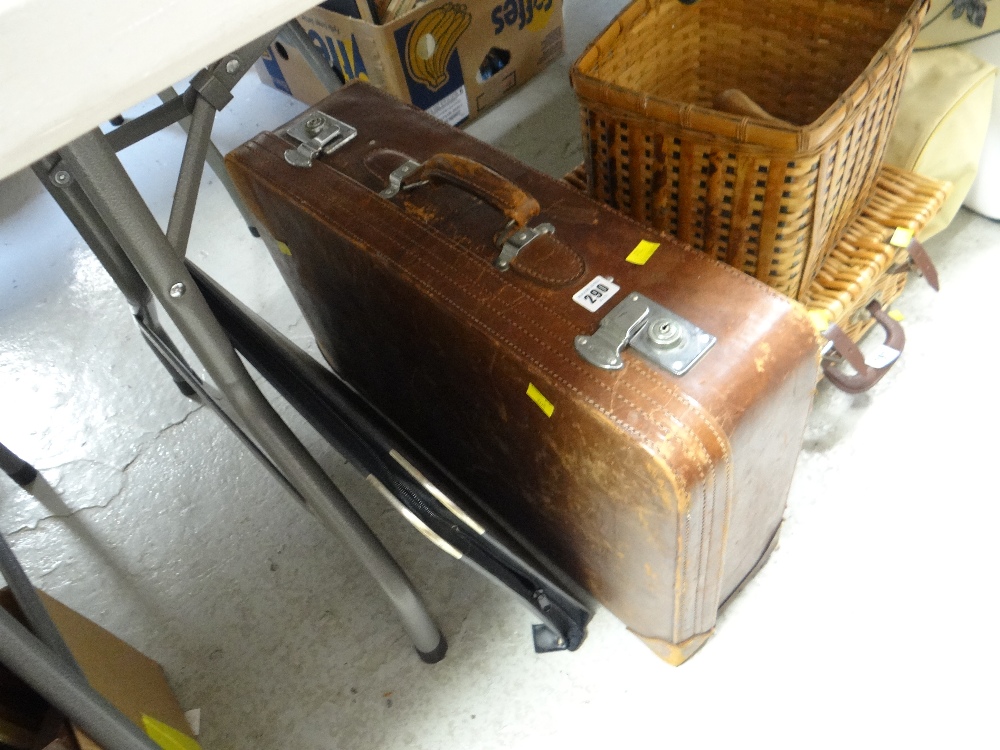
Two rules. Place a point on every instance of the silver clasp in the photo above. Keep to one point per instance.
(516, 242)
(317, 133)
(659, 335)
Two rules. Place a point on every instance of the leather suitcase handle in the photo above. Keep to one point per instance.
(517, 205)
(866, 375)
(531, 252)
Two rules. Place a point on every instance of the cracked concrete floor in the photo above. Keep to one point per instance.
(871, 625)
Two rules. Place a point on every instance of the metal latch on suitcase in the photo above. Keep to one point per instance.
(659, 335)
(317, 133)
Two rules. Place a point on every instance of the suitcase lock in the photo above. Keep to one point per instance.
(317, 133)
(659, 335)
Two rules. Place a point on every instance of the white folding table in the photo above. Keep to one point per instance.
(69, 67)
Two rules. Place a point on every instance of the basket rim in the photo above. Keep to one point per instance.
(749, 130)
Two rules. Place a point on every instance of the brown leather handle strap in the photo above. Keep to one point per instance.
(483, 182)
(923, 263)
(866, 375)
(917, 257)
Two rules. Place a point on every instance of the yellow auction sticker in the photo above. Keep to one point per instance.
(166, 736)
(901, 237)
(642, 252)
(543, 403)
(285, 250)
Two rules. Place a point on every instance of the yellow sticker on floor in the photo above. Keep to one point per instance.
(285, 249)
(642, 252)
(166, 736)
(896, 315)
(901, 237)
(543, 403)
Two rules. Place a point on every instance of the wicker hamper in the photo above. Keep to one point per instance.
(865, 273)
(768, 193)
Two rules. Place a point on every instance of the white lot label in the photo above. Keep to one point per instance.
(882, 357)
(596, 293)
(453, 108)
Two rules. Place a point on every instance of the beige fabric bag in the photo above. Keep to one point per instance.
(944, 113)
(984, 195)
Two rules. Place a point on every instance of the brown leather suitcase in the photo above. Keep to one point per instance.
(630, 407)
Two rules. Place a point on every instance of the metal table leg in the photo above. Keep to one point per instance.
(93, 189)
(104, 181)
(66, 689)
(217, 163)
(43, 661)
(78, 209)
(16, 468)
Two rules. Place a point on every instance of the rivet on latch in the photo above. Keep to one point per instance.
(62, 178)
(314, 125)
(177, 290)
(232, 66)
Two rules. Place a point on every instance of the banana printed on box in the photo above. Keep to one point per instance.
(451, 58)
(431, 42)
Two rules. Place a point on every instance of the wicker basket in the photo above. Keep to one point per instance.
(767, 196)
(864, 265)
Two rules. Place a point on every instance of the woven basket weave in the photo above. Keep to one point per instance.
(864, 265)
(767, 197)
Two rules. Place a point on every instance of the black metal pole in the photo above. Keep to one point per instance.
(16, 468)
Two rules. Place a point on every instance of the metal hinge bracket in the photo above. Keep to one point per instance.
(516, 242)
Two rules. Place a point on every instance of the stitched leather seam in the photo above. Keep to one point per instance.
(474, 255)
(575, 257)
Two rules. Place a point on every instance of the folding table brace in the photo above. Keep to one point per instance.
(93, 188)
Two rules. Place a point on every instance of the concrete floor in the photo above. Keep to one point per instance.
(872, 625)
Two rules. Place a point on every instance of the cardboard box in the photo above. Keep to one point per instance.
(453, 60)
(132, 682)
